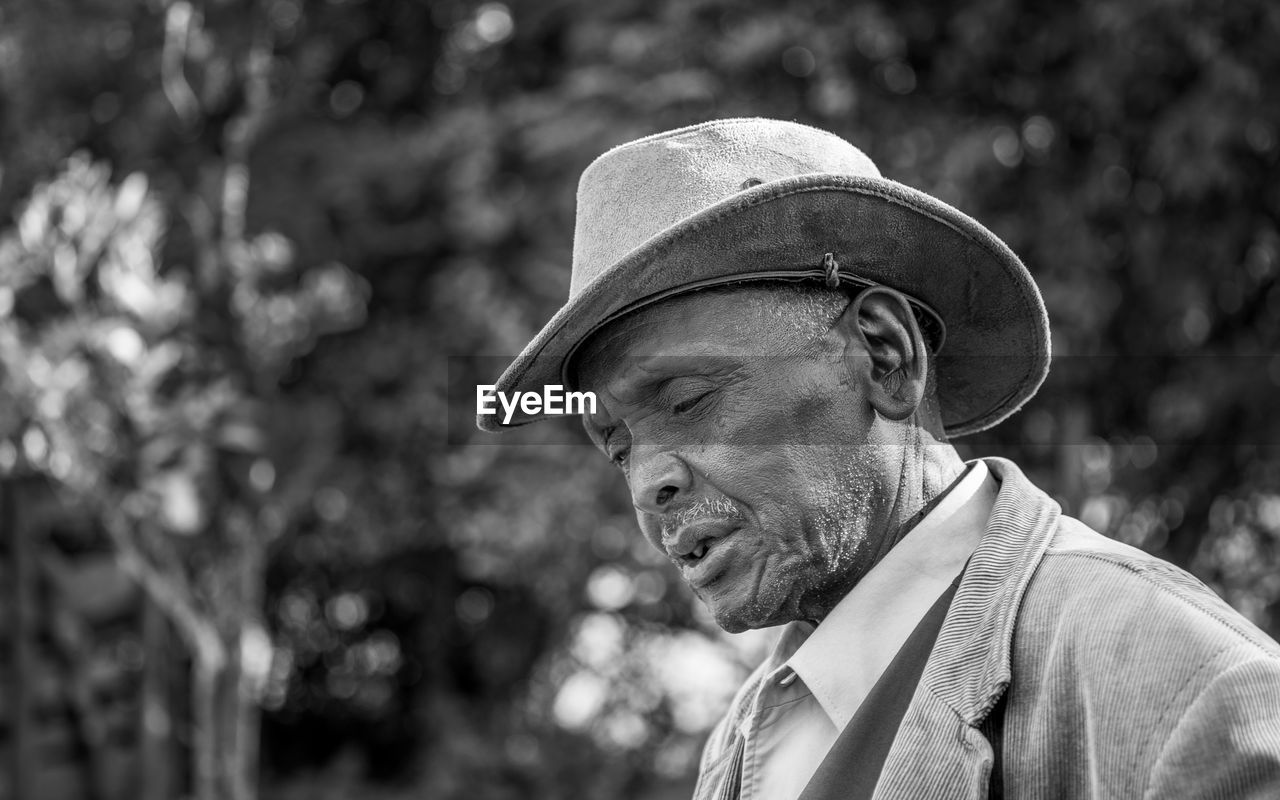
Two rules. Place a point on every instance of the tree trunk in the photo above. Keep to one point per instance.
(215, 715)
(252, 661)
(226, 717)
(204, 734)
(247, 735)
(239, 757)
(157, 779)
(23, 609)
(234, 746)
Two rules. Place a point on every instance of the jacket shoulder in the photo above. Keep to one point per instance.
(1144, 673)
(1088, 585)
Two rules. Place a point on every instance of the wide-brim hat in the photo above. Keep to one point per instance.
(741, 200)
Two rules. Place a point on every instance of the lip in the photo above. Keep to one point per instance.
(705, 570)
(703, 529)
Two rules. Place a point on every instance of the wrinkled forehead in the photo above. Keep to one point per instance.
(697, 326)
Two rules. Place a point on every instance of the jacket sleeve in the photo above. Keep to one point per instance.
(1227, 742)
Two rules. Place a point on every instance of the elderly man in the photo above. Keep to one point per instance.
(781, 343)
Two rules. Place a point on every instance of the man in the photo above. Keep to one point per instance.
(781, 343)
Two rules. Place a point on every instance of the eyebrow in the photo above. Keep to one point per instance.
(655, 372)
(598, 433)
(630, 388)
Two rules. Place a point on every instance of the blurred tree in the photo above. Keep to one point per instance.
(141, 380)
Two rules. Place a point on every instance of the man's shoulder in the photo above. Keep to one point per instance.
(1089, 587)
(1167, 690)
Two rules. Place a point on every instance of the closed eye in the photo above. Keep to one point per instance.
(685, 406)
(619, 458)
(616, 446)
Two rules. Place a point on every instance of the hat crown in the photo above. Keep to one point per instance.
(636, 191)
(680, 211)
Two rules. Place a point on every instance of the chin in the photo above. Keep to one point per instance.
(734, 625)
(744, 617)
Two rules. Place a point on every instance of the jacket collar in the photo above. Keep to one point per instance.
(971, 663)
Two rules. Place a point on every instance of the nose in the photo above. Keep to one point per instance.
(657, 477)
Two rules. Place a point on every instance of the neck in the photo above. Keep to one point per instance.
(928, 467)
(928, 471)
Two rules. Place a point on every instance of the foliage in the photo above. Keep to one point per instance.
(476, 618)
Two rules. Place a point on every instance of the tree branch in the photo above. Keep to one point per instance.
(173, 58)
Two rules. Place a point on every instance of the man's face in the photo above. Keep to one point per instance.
(749, 448)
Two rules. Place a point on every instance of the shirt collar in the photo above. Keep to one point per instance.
(842, 658)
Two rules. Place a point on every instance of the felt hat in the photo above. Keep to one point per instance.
(739, 200)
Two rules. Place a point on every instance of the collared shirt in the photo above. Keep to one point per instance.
(818, 677)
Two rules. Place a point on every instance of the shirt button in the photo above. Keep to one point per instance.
(788, 679)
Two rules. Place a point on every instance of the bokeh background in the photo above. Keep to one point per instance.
(248, 248)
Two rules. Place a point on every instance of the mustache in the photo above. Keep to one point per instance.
(703, 507)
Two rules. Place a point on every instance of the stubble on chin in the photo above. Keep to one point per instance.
(833, 551)
(841, 540)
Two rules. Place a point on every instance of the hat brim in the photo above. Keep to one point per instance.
(881, 232)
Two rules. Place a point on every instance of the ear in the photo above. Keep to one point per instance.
(880, 325)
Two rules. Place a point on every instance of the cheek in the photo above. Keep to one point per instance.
(814, 410)
(784, 492)
(843, 505)
(823, 511)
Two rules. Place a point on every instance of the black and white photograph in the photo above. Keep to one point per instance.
(667, 400)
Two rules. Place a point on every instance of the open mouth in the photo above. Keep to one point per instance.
(708, 561)
(702, 550)
(698, 541)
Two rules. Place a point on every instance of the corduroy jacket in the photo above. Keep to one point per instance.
(1114, 675)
